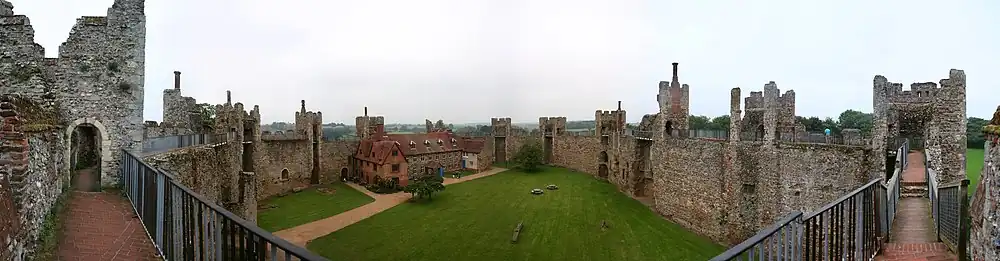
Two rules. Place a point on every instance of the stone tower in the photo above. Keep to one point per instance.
(368, 126)
(928, 113)
(96, 82)
(673, 100)
(241, 130)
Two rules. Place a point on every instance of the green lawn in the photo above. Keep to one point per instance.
(309, 205)
(973, 165)
(475, 221)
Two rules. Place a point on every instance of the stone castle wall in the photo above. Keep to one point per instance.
(32, 179)
(293, 155)
(97, 79)
(724, 190)
(578, 153)
(985, 205)
(212, 171)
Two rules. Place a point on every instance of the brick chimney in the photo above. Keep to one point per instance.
(674, 79)
(177, 80)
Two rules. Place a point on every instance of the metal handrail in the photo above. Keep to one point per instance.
(184, 225)
(758, 245)
(853, 226)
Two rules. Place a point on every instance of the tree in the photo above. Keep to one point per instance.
(425, 186)
(207, 118)
(698, 122)
(720, 123)
(974, 132)
(851, 119)
(529, 157)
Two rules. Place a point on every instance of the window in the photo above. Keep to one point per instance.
(427, 142)
(440, 141)
(395, 152)
(395, 168)
(375, 167)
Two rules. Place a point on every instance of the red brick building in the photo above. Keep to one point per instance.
(403, 156)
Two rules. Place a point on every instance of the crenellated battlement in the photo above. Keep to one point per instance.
(502, 127)
(550, 126)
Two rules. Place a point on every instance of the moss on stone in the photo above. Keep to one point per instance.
(24, 73)
(38, 127)
(33, 114)
(992, 129)
(114, 67)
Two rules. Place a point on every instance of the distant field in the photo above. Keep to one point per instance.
(973, 164)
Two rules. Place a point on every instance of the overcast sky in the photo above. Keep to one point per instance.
(469, 60)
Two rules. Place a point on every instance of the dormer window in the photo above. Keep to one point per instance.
(413, 145)
(427, 142)
(453, 140)
(440, 141)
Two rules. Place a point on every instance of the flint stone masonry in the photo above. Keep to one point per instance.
(98, 76)
(32, 177)
(984, 240)
(179, 111)
(936, 115)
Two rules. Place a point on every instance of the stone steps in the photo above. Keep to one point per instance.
(913, 191)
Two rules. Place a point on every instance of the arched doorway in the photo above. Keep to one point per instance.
(603, 157)
(343, 174)
(602, 171)
(86, 143)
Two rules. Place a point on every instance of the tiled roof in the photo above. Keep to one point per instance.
(473, 145)
(375, 150)
(424, 143)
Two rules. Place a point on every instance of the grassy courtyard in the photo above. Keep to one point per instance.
(309, 205)
(475, 221)
(973, 165)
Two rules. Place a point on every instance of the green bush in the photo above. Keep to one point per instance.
(425, 186)
(529, 158)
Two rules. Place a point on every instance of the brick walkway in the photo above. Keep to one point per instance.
(912, 236)
(302, 234)
(102, 226)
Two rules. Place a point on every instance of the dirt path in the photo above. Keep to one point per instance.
(302, 234)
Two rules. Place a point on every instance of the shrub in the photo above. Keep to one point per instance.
(529, 158)
(425, 186)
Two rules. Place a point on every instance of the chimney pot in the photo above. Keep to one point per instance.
(177, 80)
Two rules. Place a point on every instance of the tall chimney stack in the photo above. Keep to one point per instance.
(229, 97)
(366, 110)
(177, 80)
(619, 105)
(674, 79)
(303, 106)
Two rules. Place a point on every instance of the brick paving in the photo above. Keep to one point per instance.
(302, 234)
(912, 236)
(102, 226)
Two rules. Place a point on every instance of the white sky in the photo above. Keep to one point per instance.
(469, 60)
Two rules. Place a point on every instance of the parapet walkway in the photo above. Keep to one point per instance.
(912, 236)
(302, 234)
(101, 226)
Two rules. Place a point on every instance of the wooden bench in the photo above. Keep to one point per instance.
(517, 232)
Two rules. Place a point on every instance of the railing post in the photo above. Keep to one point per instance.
(160, 186)
(963, 221)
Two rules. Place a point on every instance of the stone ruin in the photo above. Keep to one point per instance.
(727, 188)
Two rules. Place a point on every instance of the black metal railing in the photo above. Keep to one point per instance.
(848, 228)
(781, 241)
(949, 211)
(183, 225)
(165, 143)
(852, 227)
